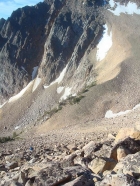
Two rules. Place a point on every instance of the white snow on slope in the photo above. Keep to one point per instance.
(59, 79)
(104, 45)
(60, 89)
(20, 94)
(36, 83)
(110, 114)
(34, 72)
(3, 105)
(112, 3)
(66, 93)
(131, 8)
(137, 106)
(17, 127)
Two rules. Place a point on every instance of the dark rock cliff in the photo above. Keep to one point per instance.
(50, 35)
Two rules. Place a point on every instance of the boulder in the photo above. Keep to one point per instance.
(52, 176)
(76, 171)
(72, 147)
(99, 165)
(137, 126)
(22, 178)
(12, 165)
(111, 136)
(129, 165)
(123, 148)
(104, 151)
(122, 152)
(2, 167)
(118, 180)
(9, 158)
(28, 183)
(91, 147)
(68, 160)
(81, 161)
(14, 157)
(127, 132)
(80, 181)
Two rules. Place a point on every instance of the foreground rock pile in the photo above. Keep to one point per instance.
(110, 163)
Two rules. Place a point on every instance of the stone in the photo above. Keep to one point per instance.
(137, 126)
(127, 132)
(91, 147)
(119, 180)
(104, 151)
(111, 136)
(81, 161)
(9, 158)
(2, 167)
(76, 171)
(97, 165)
(68, 160)
(12, 165)
(2, 173)
(80, 181)
(33, 160)
(72, 147)
(130, 164)
(22, 178)
(15, 184)
(28, 183)
(122, 152)
(88, 148)
(95, 179)
(128, 146)
(13, 157)
(52, 176)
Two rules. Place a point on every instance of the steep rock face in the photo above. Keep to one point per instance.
(50, 35)
(21, 39)
(2, 21)
(75, 29)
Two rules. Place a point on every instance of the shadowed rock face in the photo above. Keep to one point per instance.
(2, 21)
(49, 35)
(22, 40)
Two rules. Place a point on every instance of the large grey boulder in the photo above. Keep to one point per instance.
(118, 180)
(130, 165)
(80, 181)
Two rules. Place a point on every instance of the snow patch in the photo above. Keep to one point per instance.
(34, 72)
(112, 3)
(104, 45)
(59, 79)
(66, 93)
(36, 83)
(3, 105)
(17, 127)
(110, 114)
(131, 8)
(45, 86)
(20, 94)
(60, 89)
(137, 106)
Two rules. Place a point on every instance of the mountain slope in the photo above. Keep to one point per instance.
(78, 50)
(41, 36)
